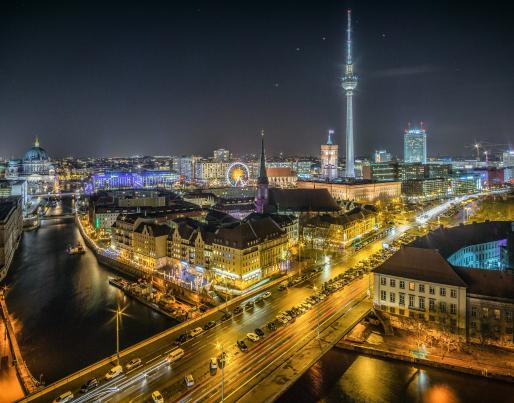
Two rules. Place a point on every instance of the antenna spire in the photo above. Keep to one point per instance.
(349, 38)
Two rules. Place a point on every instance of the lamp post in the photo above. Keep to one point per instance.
(118, 314)
(222, 361)
(317, 314)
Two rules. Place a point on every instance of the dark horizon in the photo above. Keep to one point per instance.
(158, 79)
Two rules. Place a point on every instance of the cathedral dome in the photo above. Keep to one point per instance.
(36, 153)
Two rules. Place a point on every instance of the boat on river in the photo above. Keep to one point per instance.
(78, 249)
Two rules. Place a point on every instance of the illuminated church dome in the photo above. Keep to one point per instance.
(36, 153)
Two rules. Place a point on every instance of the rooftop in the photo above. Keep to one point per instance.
(488, 282)
(302, 200)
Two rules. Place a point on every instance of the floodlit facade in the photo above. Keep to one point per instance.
(415, 145)
(329, 158)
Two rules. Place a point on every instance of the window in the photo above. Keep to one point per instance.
(431, 305)
(402, 299)
(392, 309)
(383, 281)
(411, 301)
(392, 297)
(442, 292)
(431, 290)
(442, 307)
(402, 284)
(422, 303)
(401, 311)
(497, 314)
(508, 316)
(453, 309)
(383, 295)
(392, 282)
(485, 312)
(453, 293)
(412, 286)
(474, 312)
(421, 288)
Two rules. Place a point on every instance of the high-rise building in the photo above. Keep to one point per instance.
(329, 158)
(221, 155)
(349, 83)
(261, 198)
(415, 145)
(508, 166)
(382, 156)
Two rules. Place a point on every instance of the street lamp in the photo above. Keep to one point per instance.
(317, 313)
(222, 362)
(118, 312)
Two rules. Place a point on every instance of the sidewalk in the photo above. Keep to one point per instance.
(474, 359)
(10, 386)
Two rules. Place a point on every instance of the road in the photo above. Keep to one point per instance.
(155, 373)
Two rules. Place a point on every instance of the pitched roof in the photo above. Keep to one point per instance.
(495, 283)
(240, 236)
(420, 264)
(280, 172)
(302, 200)
(154, 230)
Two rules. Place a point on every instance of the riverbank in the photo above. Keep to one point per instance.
(474, 360)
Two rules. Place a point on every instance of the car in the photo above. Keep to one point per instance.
(226, 316)
(213, 364)
(282, 320)
(282, 287)
(242, 346)
(182, 338)
(65, 397)
(238, 310)
(157, 397)
(189, 380)
(259, 299)
(114, 372)
(196, 331)
(259, 332)
(253, 337)
(209, 325)
(271, 326)
(133, 363)
(249, 305)
(266, 295)
(91, 384)
(175, 355)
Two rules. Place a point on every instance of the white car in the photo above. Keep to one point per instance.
(253, 337)
(134, 363)
(157, 397)
(213, 365)
(189, 380)
(65, 397)
(196, 331)
(114, 372)
(267, 294)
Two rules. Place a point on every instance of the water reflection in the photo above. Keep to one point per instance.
(61, 304)
(342, 376)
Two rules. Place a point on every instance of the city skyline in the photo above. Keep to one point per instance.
(92, 85)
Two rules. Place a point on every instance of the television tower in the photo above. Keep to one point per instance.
(349, 83)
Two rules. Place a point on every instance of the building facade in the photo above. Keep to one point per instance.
(329, 158)
(415, 145)
(360, 191)
(11, 229)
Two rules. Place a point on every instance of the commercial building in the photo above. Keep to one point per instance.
(149, 244)
(221, 155)
(11, 228)
(425, 189)
(211, 172)
(381, 156)
(132, 180)
(329, 158)
(360, 191)
(15, 188)
(185, 166)
(337, 232)
(415, 145)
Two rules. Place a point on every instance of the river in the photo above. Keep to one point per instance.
(342, 376)
(62, 305)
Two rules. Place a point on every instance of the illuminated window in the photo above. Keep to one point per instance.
(412, 286)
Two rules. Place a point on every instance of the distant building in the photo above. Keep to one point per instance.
(110, 180)
(36, 168)
(212, 172)
(361, 191)
(281, 177)
(415, 145)
(425, 189)
(11, 229)
(381, 156)
(329, 158)
(221, 155)
(508, 166)
(186, 166)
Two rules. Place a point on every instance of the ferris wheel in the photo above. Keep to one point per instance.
(238, 174)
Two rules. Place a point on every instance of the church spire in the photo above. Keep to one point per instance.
(263, 177)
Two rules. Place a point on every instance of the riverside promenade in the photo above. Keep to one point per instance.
(472, 359)
(13, 358)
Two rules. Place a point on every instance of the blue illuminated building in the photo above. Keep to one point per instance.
(133, 180)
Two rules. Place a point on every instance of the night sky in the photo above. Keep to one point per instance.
(163, 78)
